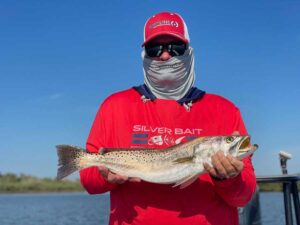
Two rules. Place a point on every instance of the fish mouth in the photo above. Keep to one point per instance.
(245, 145)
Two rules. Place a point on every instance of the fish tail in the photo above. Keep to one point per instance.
(68, 158)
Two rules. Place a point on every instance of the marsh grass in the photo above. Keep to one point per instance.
(12, 183)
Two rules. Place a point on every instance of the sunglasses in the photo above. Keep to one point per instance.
(174, 49)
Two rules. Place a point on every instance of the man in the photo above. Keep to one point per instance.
(167, 110)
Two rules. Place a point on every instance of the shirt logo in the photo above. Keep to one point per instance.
(162, 136)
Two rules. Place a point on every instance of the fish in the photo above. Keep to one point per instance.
(179, 165)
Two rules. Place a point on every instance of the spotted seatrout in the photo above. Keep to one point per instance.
(178, 165)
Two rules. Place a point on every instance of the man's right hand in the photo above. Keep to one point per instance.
(115, 178)
(112, 177)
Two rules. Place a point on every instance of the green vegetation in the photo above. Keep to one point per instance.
(12, 183)
(273, 187)
(270, 187)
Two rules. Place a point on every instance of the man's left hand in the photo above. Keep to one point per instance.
(224, 167)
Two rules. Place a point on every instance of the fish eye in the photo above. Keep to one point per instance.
(229, 139)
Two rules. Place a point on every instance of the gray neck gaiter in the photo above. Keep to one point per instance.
(170, 79)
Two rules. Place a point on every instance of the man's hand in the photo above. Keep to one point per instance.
(115, 178)
(224, 166)
(112, 177)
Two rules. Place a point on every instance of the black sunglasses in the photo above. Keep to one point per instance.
(174, 49)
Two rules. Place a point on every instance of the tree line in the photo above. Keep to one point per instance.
(22, 183)
(13, 183)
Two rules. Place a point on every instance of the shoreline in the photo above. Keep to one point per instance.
(48, 192)
(25, 184)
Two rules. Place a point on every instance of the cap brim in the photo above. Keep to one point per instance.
(165, 33)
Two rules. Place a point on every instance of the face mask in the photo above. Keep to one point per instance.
(170, 79)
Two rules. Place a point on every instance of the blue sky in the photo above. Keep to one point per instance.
(60, 59)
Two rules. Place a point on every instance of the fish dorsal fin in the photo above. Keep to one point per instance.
(106, 150)
(186, 181)
(184, 159)
(191, 142)
(101, 151)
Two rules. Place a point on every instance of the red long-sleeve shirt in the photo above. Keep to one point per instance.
(124, 121)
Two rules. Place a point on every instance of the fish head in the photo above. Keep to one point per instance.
(238, 146)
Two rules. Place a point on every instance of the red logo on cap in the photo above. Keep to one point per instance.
(164, 23)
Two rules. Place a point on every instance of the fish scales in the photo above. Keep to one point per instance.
(150, 160)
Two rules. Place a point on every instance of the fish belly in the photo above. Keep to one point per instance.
(166, 174)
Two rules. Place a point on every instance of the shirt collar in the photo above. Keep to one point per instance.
(192, 95)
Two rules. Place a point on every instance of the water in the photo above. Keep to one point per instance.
(272, 208)
(81, 208)
(54, 209)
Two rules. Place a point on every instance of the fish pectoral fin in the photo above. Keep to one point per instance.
(184, 159)
(186, 181)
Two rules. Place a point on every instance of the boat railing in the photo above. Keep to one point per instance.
(251, 215)
(290, 191)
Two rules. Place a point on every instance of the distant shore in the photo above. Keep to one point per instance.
(272, 187)
(12, 183)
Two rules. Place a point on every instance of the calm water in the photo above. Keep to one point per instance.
(80, 208)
